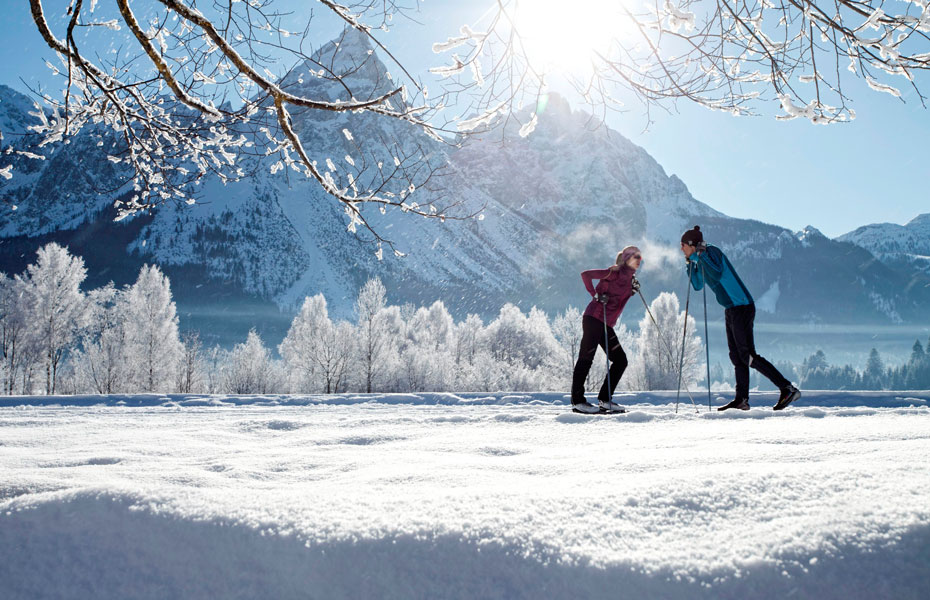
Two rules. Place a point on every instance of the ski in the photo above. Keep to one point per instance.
(600, 411)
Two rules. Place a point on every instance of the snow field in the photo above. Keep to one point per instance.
(471, 496)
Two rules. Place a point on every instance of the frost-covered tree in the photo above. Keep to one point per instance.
(56, 305)
(14, 340)
(420, 370)
(101, 365)
(153, 348)
(475, 368)
(487, 374)
(469, 340)
(249, 368)
(373, 339)
(427, 356)
(516, 338)
(566, 327)
(316, 349)
(391, 320)
(191, 366)
(432, 328)
(524, 345)
(660, 348)
(214, 365)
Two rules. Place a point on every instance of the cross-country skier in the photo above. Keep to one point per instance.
(614, 287)
(709, 264)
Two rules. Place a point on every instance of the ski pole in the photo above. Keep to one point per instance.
(668, 348)
(684, 335)
(706, 339)
(607, 354)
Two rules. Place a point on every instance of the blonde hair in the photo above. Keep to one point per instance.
(625, 254)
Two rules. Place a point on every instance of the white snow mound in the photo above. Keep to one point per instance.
(463, 496)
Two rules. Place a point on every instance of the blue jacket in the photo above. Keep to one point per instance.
(713, 267)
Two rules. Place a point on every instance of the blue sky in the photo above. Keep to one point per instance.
(792, 174)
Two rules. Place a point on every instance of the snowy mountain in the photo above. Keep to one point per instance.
(563, 199)
(14, 113)
(900, 244)
(57, 187)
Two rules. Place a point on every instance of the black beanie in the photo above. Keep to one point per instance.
(692, 237)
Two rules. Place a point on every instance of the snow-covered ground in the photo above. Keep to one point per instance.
(463, 496)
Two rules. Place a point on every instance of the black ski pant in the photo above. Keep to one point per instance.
(593, 336)
(743, 355)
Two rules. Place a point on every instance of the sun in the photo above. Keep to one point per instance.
(566, 37)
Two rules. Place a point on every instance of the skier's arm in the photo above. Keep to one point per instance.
(712, 260)
(694, 273)
(587, 276)
(709, 261)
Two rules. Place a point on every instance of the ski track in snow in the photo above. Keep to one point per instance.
(463, 496)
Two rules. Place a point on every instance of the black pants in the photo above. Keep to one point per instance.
(592, 337)
(743, 355)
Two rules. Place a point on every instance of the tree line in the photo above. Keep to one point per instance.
(56, 338)
(815, 372)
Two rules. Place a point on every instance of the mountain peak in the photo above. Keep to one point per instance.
(807, 235)
(349, 57)
(351, 46)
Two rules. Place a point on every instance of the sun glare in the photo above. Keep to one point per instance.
(565, 36)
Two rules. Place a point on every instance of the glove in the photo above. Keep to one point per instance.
(635, 285)
(602, 298)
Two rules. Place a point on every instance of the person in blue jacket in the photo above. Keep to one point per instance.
(708, 264)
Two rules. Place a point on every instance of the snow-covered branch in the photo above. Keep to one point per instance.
(196, 91)
(731, 55)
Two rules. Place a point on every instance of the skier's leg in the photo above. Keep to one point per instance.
(591, 338)
(759, 363)
(618, 364)
(739, 350)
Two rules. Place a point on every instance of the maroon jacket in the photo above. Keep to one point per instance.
(618, 285)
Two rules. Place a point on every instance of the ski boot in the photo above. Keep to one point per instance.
(788, 395)
(585, 407)
(610, 407)
(738, 403)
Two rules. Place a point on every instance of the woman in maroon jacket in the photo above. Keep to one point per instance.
(614, 287)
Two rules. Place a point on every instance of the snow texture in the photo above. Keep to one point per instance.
(463, 496)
